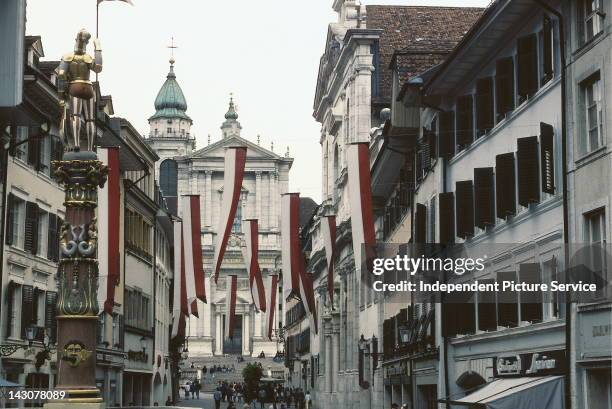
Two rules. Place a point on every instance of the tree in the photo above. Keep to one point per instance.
(252, 374)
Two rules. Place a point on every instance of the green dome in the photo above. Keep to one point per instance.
(170, 101)
(231, 113)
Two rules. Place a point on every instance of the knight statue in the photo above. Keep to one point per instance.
(77, 93)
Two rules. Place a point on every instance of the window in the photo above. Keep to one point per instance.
(169, 131)
(484, 106)
(43, 231)
(504, 87)
(465, 121)
(595, 234)
(137, 309)
(16, 222)
(593, 19)
(547, 50)
(45, 155)
(14, 309)
(168, 180)
(237, 225)
(21, 151)
(169, 121)
(593, 114)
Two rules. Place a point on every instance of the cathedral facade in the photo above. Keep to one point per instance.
(185, 170)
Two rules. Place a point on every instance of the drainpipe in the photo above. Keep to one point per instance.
(570, 370)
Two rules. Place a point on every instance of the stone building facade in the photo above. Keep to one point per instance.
(184, 170)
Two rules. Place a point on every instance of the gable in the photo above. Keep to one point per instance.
(218, 148)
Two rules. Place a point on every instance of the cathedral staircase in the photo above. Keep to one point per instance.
(209, 383)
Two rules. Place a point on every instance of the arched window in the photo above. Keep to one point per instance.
(168, 183)
(237, 225)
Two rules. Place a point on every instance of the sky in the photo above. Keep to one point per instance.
(264, 52)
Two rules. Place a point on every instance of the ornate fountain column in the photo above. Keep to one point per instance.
(77, 306)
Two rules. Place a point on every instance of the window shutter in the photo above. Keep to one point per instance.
(420, 226)
(531, 301)
(10, 202)
(10, 299)
(487, 319)
(483, 192)
(504, 86)
(425, 152)
(528, 172)
(465, 121)
(52, 237)
(449, 319)
(507, 301)
(430, 137)
(447, 214)
(484, 106)
(547, 158)
(505, 185)
(35, 300)
(527, 60)
(13, 138)
(50, 315)
(27, 298)
(548, 46)
(446, 134)
(31, 227)
(465, 208)
(34, 152)
(419, 166)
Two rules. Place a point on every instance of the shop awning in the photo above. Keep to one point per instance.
(543, 392)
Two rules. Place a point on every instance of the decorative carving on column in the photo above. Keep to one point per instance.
(208, 218)
(274, 196)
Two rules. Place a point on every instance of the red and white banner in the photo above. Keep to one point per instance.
(272, 291)
(192, 241)
(235, 159)
(308, 299)
(251, 252)
(180, 306)
(109, 205)
(293, 261)
(360, 201)
(328, 229)
(230, 305)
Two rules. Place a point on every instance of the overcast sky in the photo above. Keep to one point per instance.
(265, 52)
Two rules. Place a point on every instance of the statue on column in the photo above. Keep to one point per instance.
(77, 92)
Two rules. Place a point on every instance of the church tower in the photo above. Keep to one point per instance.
(170, 126)
(170, 135)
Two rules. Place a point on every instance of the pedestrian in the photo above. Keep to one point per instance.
(192, 390)
(307, 399)
(394, 406)
(217, 398)
(198, 386)
(186, 387)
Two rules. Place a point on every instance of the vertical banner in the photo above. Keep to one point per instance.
(328, 229)
(235, 159)
(109, 205)
(230, 305)
(360, 200)
(308, 299)
(178, 304)
(273, 290)
(251, 253)
(290, 243)
(192, 239)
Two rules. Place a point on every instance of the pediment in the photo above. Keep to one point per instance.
(218, 148)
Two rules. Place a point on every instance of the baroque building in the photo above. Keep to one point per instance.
(183, 170)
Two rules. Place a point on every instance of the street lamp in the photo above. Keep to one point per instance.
(143, 344)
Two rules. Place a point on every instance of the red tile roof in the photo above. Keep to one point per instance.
(422, 35)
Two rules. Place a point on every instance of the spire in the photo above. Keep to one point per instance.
(231, 126)
(231, 113)
(170, 102)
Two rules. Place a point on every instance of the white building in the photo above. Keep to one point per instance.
(183, 170)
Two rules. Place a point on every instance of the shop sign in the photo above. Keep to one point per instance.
(140, 356)
(532, 364)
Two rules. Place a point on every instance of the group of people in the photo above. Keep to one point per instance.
(192, 388)
(218, 369)
(282, 398)
(396, 406)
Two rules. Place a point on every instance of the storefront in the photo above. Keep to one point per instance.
(396, 378)
(109, 375)
(521, 381)
(593, 356)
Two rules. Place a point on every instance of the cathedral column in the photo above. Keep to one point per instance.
(219, 336)
(274, 196)
(207, 315)
(328, 358)
(257, 328)
(258, 196)
(246, 337)
(194, 181)
(208, 219)
(335, 355)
